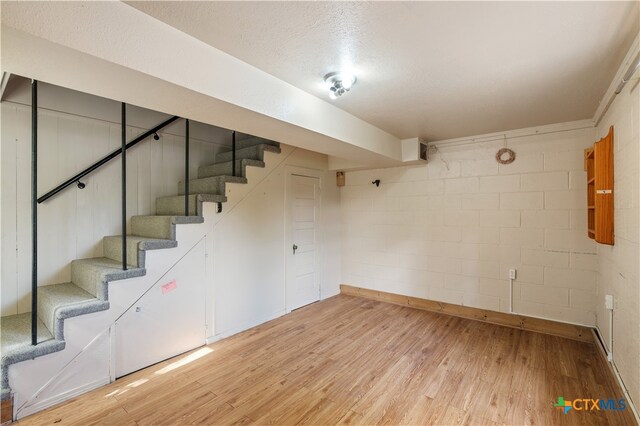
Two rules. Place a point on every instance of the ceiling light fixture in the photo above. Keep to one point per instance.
(339, 83)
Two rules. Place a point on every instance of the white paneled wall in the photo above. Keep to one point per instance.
(76, 130)
(619, 264)
(450, 230)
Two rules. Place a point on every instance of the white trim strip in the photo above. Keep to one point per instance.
(517, 133)
(610, 94)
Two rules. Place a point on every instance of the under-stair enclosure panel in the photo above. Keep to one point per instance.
(75, 130)
(167, 320)
(86, 367)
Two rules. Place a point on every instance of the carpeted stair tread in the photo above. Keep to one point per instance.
(136, 245)
(255, 152)
(174, 205)
(210, 185)
(253, 141)
(60, 301)
(93, 274)
(226, 168)
(162, 227)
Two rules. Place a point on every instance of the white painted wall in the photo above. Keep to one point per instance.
(75, 130)
(248, 247)
(619, 264)
(451, 229)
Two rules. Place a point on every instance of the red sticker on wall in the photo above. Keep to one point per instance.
(169, 287)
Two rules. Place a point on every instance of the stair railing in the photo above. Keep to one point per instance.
(233, 153)
(76, 179)
(123, 180)
(34, 212)
(186, 167)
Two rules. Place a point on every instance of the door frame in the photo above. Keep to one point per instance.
(291, 171)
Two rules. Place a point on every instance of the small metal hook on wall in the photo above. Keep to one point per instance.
(376, 182)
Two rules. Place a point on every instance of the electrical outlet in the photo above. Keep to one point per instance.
(608, 301)
(512, 274)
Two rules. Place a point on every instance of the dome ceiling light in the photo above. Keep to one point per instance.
(339, 83)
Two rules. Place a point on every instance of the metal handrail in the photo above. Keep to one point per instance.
(106, 159)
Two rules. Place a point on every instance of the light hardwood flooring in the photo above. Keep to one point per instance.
(351, 360)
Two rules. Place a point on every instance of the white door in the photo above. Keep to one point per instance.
(167, 320)
(303, 280)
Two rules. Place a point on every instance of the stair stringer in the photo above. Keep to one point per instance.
(45, 381)
(31, 380)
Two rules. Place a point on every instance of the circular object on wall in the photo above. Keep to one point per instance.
(505, 156)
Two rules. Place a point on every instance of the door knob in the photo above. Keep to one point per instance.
(295, 247)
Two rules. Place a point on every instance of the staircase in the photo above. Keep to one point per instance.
(88, 290)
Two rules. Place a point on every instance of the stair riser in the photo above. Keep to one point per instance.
(112, 248)
(226, 169)
(253, 141)
(174, 206)
(215, 185)
(222, 169)
(206, 186)
(86, 280)
(45, 314)
(153, 227)
(252, 153)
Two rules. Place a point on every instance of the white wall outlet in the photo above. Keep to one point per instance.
(608, 301)
(512, 274)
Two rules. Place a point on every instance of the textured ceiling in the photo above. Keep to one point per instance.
(436, 70)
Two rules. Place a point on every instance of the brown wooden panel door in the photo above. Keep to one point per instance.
(603, 159)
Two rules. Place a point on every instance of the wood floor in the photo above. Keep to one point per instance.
(351, 360)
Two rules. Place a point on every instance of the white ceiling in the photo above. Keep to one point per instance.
(436, 70)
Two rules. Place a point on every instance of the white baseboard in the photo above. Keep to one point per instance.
(243, 327)
(600, 343)
(49, 402)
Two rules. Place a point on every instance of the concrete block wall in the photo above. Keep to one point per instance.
(450, 230)
(618, 265)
